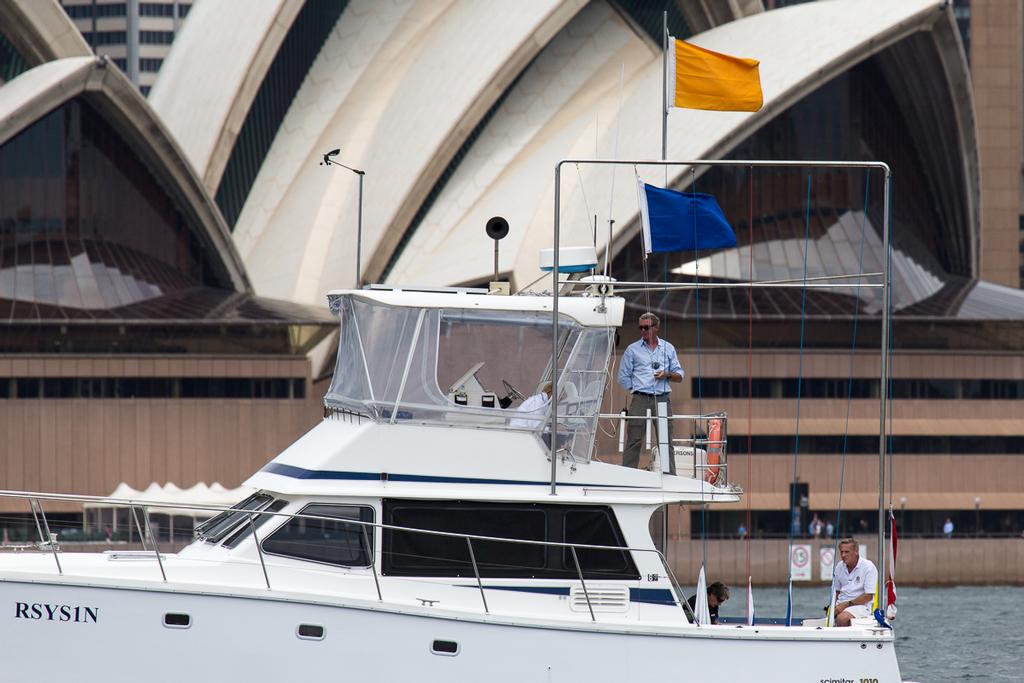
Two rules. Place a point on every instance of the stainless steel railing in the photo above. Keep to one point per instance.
(698, 434)
(47, 540)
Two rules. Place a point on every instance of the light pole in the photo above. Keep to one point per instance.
(329, 161)
(977, 515)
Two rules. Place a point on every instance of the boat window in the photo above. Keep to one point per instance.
(216, 528)
(177, 620)
(446, 648)
(408, 553)
(411, 553)
(582, 380)
(334, 541)
(243, 531)
(595, 526)
(468, 367)
(310, 632)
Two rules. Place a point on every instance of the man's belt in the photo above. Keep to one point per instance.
(644, 393)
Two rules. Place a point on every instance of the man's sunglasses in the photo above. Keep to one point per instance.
(645, 327)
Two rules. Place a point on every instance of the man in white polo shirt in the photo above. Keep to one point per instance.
(855, 581)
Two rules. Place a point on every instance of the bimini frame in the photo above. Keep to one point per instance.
(885, 286)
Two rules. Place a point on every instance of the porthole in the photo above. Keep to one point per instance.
(310, 632)
(177, 620)
(446, 648)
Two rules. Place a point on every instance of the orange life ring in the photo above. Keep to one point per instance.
(714, 449)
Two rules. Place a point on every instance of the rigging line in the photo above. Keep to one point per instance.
(750, 370)
(799, 390)
(700, 391)
(586, 204)
(710, 286)
(738, 284)
(666, 291)
(646, 288)
(615, 155)
(849, 383)
(783, 281)
(888, 353)
(527, 286)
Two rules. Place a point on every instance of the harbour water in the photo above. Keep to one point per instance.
(963, 633)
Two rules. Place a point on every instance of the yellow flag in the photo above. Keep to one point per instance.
(703, 79)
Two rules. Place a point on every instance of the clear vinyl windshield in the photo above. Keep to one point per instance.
(483, 369)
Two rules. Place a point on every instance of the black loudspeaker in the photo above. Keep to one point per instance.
(497, 228)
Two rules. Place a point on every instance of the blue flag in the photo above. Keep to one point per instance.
(678, 221)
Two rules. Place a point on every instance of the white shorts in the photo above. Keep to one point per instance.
(859, 611)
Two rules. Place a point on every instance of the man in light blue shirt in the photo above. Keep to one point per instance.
(648, 365)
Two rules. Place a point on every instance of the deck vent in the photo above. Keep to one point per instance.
(602, 598)
(310, 632)
(447, 648)
(177, 620)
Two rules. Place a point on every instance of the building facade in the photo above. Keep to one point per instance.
(133, 347)
(135, 34)
(457, 112)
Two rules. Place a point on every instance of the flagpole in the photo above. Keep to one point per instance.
(664, 151)
(664, 90)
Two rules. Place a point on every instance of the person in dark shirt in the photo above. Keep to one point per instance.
(718, 593)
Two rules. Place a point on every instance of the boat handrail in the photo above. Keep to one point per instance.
(715, 473)
(34, 499)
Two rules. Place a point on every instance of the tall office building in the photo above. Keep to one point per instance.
(135, 34)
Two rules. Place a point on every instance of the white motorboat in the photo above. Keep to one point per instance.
(371, 549)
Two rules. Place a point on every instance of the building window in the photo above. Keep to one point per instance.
(114, 9)
(106, 37)
(79, 11)
(857, 444)
(139, 251)
(12, 62)
(156, 9)
(156, 37)
(150, 64)
(962, 12)
(153, 387)
(825, 387)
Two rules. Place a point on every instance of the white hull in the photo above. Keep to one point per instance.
(255, 637)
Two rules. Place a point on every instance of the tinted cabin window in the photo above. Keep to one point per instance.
(595, 527)
(331, 541)
(410, 553)
(413, 554)
(244, 530)
(216, 528)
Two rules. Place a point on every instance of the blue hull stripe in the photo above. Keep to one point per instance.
(654, 596)
(301, 473)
